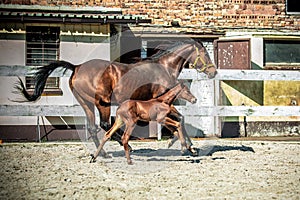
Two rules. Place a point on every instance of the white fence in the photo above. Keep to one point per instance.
(216, 111)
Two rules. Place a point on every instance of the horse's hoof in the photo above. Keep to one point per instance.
(194, 152)
(93, 159)
(184, 152)
(170, 143)
(130, 162)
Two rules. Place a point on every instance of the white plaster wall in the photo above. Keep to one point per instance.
(12, 52)
(204, 91)
(257, 51)
(79, 52)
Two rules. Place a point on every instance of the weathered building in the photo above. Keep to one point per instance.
(239, 34)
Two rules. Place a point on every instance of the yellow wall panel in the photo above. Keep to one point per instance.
(283, 93)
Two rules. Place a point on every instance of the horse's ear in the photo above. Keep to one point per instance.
(181, 81)
(196, 46)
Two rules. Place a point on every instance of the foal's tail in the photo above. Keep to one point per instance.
(41, 77)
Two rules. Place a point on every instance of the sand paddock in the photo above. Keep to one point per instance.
(225, 169)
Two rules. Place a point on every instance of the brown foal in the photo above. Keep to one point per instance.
(159, 109)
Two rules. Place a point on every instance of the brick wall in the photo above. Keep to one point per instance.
(265, 14)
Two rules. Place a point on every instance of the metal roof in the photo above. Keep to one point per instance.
(66, 14)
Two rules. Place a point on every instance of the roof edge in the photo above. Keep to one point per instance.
(60, 9)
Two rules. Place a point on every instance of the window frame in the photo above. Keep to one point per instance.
(279, 65)
(43, 47)
(287, 6)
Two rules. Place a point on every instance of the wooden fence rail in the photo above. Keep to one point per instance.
(191, 110)
(76, 110)
(213, 111)
(255, 75)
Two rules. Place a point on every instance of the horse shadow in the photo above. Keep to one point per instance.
(176, 155)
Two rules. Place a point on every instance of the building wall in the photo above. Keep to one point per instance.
(265, 93)
(12, 52)
(255, 14)
(205, 16)
(73, 48)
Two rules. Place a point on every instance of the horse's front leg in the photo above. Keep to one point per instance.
(187, 139)
(175, 126)
(180, 118)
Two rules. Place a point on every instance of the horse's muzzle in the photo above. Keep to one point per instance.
(194, 100)
(212, 74)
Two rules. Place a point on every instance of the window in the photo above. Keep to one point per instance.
(292, 7)
(42, 47)
(281, 52)
(233, 54)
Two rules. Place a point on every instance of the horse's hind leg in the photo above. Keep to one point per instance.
(88, 108)
(104, 113)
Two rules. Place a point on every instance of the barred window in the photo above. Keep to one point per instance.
(42, 47)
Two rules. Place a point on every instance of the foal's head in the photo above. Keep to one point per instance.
(172, 94)
(178, 91)
(186, 94)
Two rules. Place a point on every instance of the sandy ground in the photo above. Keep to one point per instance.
(225, 169)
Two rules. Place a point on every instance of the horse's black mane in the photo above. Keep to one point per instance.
(166, 48)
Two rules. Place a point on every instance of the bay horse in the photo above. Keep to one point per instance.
(101, 83)
(158, 109)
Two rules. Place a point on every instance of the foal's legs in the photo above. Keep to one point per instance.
(178, 133)
(186, 137)
(176, 114)
(104, 112)
(118, 123)
(175, 127)
(189, 147)
(125, 138)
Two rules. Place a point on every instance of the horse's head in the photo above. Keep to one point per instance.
(201, 61)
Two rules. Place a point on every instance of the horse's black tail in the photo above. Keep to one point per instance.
(41, 77)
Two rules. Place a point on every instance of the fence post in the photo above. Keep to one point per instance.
(86, 129)
(217, 120)
(38, 129)
(158, 131)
